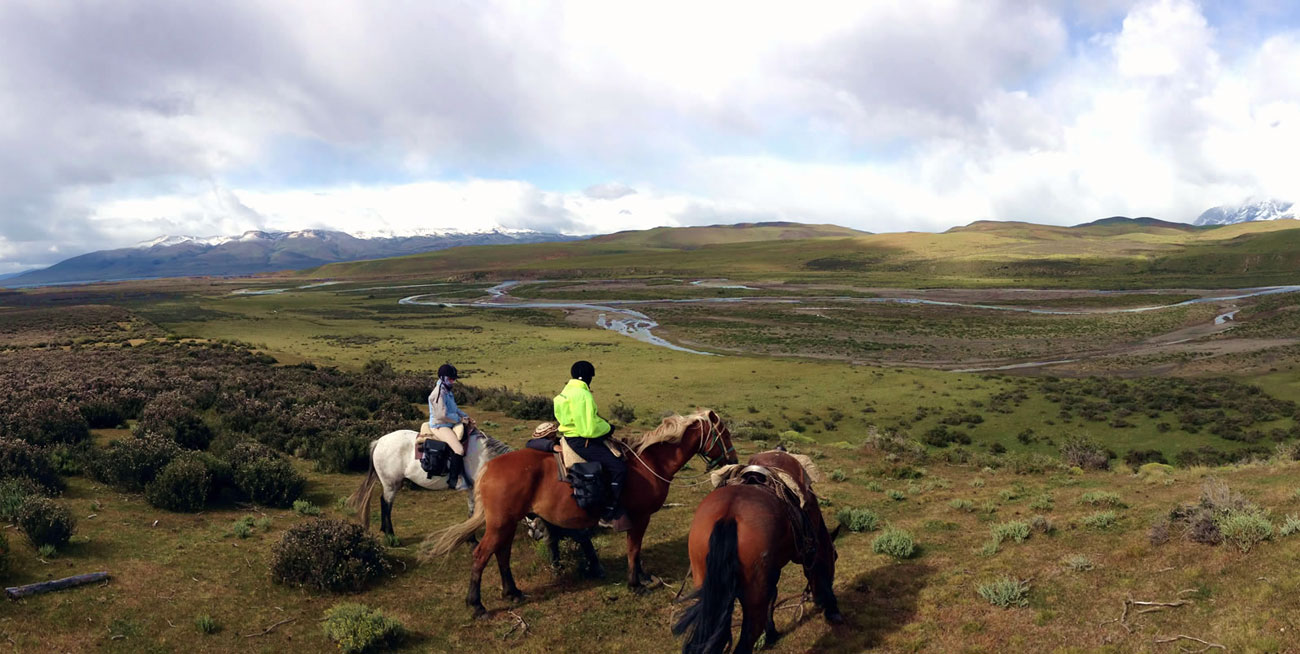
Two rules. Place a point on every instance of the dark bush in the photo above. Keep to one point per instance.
(13, 492)
(45, 422)
(532, 407)
(182, 485)
(45, 522)
(1135, 458)
(130, 464)
(22, 459)
(622, 413)
(220, 471)
(343, 453)
(247, 452)
(1084, 452)
(330, 555)
(270, 482)
(170, 417)
(4, 555)
(941, 436)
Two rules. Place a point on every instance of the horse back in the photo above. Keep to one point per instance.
(763, 527)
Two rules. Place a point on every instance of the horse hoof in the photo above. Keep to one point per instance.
(477, 612)
(596, 573)
(835, 618)
(639, 589)
(515, 597)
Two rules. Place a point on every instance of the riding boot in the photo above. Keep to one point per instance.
(615, 516)
(455, 468)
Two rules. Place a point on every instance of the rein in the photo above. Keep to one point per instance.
(708, 442)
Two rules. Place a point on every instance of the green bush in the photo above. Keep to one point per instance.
(22, 459)
(13, 492)
(168, 415)
(894, 542)
(1102, 498)
(303, 507)
(270, 482)
(858, 520)
(182, 485)
(1100, 520)
(1005, 592)
(1043, 502)
(45, 422)
(330, 555)
(838, 475)
(896, 495)
(1290, 526)
(1245, 530)
(357, 628)
(961, 504)
(45, 522)
(206, 624)
(246, 452)
(1078, 563)
(622, 413)
(130, 464)
(1015, 530)
(343, 453)
(1084, 452)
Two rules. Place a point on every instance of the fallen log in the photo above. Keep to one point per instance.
(18, 592)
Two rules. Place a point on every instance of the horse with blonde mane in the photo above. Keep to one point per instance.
(526, 481)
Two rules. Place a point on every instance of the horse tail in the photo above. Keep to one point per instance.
(440, 543)
(359, 501)
(707, 622)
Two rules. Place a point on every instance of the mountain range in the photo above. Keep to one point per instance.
(1247, 212)
(257, 252)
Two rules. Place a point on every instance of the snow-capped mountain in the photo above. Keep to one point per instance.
(260, 251)
(1248, 211)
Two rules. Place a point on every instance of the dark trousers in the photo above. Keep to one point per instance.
(594, 449)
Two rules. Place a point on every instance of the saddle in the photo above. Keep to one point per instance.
(784, 487)
(586, 477)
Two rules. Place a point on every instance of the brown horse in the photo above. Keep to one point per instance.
(525, 482)
(741, 537)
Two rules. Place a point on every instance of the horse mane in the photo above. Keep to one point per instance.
(810, 469)
(670, 430)
(494, 446)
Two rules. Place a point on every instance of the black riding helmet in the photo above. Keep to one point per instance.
(583, 370)
(448, 371)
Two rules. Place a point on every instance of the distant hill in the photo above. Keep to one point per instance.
(1143, 221)
(1249, 211)
(255, 252)
(687, 237)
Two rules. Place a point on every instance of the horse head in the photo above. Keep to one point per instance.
(715, 441)
(823, 574)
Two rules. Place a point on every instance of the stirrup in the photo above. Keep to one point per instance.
(621, 523)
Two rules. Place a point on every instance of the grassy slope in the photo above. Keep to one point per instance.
(983, 254)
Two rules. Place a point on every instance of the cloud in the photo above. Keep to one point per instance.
(123, 121)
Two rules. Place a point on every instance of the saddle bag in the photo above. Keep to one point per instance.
(589, 485)
(436, 455)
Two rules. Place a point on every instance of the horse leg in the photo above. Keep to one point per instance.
(593, 569)
(483, 552)
(755, 608)
(507, 538)
(770, 634)
(635, 575)
(386, 511)
(553, 536)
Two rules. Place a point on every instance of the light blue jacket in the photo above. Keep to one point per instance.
(443, 411)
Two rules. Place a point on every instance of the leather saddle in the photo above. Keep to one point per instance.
(546, 438)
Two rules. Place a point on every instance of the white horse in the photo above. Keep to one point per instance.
(392, 459)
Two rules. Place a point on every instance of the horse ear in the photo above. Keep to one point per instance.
(836, 534)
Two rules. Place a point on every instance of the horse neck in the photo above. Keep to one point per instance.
(666, 459)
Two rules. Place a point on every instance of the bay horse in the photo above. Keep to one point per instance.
(525, 481)
(741, 537)
(392, 459)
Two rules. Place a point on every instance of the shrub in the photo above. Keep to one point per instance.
(622, 413)
(45, 422)
(1078, 563)
(1100, 520)
(1043, 502)
(22, 459)
(894, 542)
(303, 507)
(858, 520)
(45, 522)
(170, 417)
(270, 482)
(1042, 524)
(358, 629)
(1136, 458)
(132, 463)
(1084, 452)
(838, 475)
(330, 555)
(4, 555)
(1102, 498)
(182, 485)
(343, 453)
(1158, 534)
(1245, 530)
(205, 624)
(961, 504)
(1202, 521)
(1155, 471)
(895, 494)
(1015, 530)
(13, 492)
(1005, 592)
(246, 452)
(1290, 526)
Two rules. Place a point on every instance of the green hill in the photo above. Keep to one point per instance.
(1111, 253)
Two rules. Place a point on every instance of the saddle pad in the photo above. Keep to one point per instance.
(734, 474)
(569, 457)
(426, 432)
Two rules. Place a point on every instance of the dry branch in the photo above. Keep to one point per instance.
(1208, 645)
(17, 592)
(270, 628)
(519, 625)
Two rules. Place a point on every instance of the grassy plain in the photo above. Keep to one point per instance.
(819, 397)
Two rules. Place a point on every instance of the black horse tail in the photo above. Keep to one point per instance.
(707, 622)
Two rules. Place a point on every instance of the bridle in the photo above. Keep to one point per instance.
(707, 443)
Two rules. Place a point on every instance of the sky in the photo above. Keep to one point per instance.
(123, 121)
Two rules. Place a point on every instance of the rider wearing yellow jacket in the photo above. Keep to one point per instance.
(586, 432)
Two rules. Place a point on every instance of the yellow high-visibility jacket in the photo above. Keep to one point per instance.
(575, 410)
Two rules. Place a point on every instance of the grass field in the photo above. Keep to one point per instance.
(891, 439)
